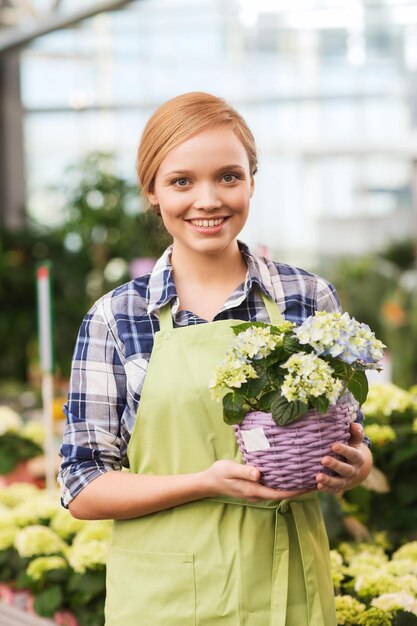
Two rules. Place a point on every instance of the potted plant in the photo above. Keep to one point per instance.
(291, 392)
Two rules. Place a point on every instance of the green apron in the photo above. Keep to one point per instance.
(217, 560)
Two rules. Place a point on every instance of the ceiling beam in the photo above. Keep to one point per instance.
(13, 38)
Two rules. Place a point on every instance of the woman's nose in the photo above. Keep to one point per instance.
(207, 198)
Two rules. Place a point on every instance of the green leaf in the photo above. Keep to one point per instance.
(254, 386)
(284, 412)
(340, 368)
(47, 602)
(265, 401)
(320, 404)
(291, 345)
(234, 408)
(403, 455)
(240, 328)
(358, 386)
(404, 618)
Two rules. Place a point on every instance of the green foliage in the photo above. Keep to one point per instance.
(48, 601)
(284, 412)
(395, 511)
(14, 448)
(103, 223)
(381, 291)
(11, 564)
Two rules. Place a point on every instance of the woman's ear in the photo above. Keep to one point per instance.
(252, 186)
(152, 198)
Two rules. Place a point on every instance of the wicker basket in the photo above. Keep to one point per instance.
(293, 456)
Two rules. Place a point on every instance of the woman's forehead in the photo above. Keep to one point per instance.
(214, 147)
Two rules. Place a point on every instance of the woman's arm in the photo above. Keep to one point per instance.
(121, 495)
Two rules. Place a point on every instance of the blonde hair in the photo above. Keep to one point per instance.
(179, 119)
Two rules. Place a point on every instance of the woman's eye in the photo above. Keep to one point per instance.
(180, 182)
(230, 178)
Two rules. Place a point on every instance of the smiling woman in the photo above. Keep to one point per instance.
(198, 539)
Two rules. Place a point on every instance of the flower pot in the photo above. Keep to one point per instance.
(289, 457)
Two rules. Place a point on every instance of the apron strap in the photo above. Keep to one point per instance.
(275, 316)
(165, 318)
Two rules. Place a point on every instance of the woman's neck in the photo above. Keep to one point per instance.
(204, 282)
(227, 267)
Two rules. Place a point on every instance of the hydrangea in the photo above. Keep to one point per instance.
(89, 555)
(339, 335)
(7, 537)
(401, 567)
(255, 343)
(380, 434)
(6, 519)
(374, 617)
(385, 399)
(41, 507)
(10, 421)
(393, 602)
(348, 610)
(231, 374)
(35, 431)
(309, 376)
(39, 540)
(376, 583)
(65, 525)
(99, 530)
(38, 567)
(366, 562)
(336, 565)
(407, 551)
(12, 495)
(349, 549)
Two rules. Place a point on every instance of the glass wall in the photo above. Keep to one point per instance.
(329, 89)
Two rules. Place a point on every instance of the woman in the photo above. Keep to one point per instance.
(198, 539)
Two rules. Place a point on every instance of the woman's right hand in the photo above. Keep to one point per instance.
(229, 478)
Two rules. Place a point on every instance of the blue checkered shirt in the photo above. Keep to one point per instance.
(115, 343)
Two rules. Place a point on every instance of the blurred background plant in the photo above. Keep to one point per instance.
(387, 500)
(381, 290)
(104, 232)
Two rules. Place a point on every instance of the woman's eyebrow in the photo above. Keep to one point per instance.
(178, 173)
(220, 169)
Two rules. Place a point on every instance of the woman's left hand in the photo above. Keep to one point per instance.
(350, 471)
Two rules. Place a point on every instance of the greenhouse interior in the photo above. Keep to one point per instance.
(329, 90)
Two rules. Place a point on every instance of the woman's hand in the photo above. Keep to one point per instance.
(353, 469)
(229, 478)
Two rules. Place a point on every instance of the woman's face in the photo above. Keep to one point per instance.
(203, 188)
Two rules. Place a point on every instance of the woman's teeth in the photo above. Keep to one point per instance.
(207, 223)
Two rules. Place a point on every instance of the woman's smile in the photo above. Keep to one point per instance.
(208, 226)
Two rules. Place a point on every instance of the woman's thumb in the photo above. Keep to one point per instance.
(253, 473)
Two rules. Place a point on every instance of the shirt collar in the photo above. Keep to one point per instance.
(162, 287)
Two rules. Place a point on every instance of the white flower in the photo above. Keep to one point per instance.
(10, 421)
(43, 564)
(309, 376)
(399, 601)
(38, 540)
(91, 555)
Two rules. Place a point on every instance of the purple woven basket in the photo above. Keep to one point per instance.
(293, 459)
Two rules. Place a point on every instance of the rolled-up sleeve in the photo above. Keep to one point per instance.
(96, 401)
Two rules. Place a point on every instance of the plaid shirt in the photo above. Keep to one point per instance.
(115, 343)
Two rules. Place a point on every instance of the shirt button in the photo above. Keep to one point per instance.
(167, 336)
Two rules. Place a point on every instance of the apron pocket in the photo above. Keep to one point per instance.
(150, 589)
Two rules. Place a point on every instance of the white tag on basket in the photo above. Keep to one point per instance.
(255, 439)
